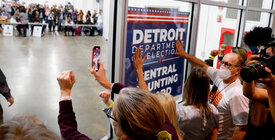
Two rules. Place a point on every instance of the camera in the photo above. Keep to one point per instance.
(258, 40)
(256, 71)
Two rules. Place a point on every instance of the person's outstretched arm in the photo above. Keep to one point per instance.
(193, 60)
(101, 78)
(138, 64)
(66, 118)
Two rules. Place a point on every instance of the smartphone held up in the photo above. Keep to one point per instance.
(95, 57)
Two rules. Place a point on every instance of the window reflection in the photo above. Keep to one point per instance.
(215, 28)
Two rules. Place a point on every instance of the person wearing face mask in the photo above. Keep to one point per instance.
(228, 97)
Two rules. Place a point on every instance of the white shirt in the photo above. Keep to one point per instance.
(100, 21)
(194, 126)
(232, 105)
(51, 16)
(67, 23)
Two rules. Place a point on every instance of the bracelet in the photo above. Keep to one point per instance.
(213, 57)
(111, 105)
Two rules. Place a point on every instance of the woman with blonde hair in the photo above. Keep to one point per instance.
(80, 17)
(168, 103)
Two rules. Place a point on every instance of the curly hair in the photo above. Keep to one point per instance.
(258, 36)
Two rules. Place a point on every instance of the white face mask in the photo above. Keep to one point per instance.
(224, 73)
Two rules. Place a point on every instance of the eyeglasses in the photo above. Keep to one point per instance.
(109, 114)
(228, 64)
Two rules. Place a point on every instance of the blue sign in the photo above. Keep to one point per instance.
(155, 31)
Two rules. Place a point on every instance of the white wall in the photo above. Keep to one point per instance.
(78, 5)
(210, 30)
(86, 5)
(106, 16)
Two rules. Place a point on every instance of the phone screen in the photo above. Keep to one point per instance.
(95, 57)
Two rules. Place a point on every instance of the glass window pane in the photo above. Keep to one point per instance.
(215, 28)
(231, 13)
(256, 19)
(228, 39)
(253, 16)
(235, 2)
(266, 4)
(152, 18)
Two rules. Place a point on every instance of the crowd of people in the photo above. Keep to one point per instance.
(57, 17)
(221, 112)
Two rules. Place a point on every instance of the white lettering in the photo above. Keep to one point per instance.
(171, 34)
(158, 72)
(147, 36)
(137, 33)
(157, 35)
(163, 35)
(156, 31)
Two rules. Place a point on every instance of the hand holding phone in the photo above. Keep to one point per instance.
(95, 57)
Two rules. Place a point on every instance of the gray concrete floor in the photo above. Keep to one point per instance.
(32, 65)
